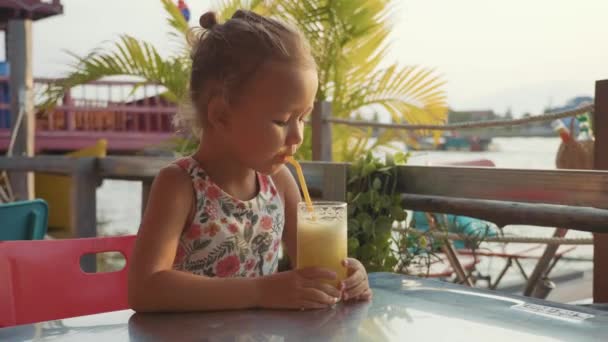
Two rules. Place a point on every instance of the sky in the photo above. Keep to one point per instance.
(522, 55)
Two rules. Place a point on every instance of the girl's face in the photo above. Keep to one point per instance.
(266, 123)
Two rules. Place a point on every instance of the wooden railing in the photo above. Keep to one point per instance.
(578, 199)
(547, 198)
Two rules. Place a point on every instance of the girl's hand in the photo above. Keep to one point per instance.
(356, 286)
(298, 289)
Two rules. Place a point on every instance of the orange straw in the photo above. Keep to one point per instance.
(302, 183)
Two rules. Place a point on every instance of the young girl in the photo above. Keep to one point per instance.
(214, 221)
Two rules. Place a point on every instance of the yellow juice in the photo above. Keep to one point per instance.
(322, 232)
(322, 243)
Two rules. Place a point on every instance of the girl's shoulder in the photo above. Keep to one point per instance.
(174, 178)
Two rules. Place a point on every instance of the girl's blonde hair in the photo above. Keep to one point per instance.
(226, 56)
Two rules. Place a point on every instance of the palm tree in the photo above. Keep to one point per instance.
(349, 38)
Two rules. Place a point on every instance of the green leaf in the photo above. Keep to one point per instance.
(368, 169)
(390, 262)
(368, 227)
(398, 213)
(363, 199)
(353, 225)
(400, 158)
(351, 209)
(377, 184)
(368, 251)
(248, 233)
(383, 224)
(353, 243)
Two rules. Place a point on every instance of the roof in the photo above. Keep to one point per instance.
(28, 9)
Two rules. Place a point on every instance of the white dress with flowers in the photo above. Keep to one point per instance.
(229, 237)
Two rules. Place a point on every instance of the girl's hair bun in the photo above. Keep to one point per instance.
(208, 20)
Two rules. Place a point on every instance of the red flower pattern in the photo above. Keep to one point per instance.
(194, 232)
(213, 192)
(211, 211)
(263, 184)
(266, 222)
(250, 264)
(227, 266)
(233, 228)
(200, 185)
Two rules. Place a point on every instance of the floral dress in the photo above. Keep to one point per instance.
(229, 237)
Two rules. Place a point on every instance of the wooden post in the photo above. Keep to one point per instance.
(68, 103)
(146, 186)
(534, 283)
(600, 243)
(84, 205)
(19, 55)
(448, 250)
(321, 131)
(335, 178)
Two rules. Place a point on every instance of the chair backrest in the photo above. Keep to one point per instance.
(42, 280)
(23, 220)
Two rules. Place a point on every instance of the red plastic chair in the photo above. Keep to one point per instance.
(42, 280)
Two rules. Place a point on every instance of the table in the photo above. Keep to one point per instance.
(404, 308)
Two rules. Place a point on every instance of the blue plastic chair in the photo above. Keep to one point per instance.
(23, 220)
(472, 227)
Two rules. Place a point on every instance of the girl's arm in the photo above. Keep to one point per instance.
(155, 286)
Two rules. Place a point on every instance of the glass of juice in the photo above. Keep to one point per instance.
(322, 237)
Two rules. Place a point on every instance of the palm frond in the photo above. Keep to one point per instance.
(410, 94)
(130, 57)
